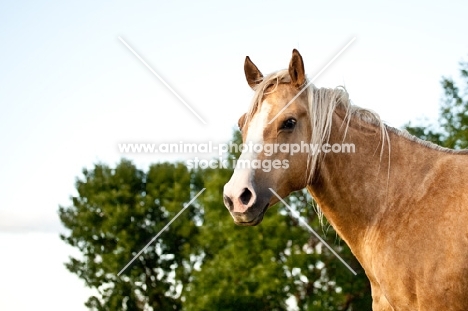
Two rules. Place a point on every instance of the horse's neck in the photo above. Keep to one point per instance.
(355, 190)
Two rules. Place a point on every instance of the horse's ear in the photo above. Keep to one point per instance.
(296, 69)
(252, 74)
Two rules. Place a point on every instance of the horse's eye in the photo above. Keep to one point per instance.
(289, 124)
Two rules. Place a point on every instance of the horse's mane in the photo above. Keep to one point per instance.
(322, 102)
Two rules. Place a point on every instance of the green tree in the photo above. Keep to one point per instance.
(117, 211)
(452, 131)
(204, 261)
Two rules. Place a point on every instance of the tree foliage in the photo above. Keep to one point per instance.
(203, 261)
(117, 211)
(452, 131)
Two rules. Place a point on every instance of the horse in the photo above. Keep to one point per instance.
(400, 203)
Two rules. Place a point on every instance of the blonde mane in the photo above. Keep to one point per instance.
(322, 102)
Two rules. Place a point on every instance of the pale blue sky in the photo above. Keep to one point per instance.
(70, 91)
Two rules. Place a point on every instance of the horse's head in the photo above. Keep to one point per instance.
(272, 132)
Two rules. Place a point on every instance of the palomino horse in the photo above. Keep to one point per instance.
(400, 203)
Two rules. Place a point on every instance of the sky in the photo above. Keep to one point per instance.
(71, 91)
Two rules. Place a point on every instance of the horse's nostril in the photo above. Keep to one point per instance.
(246, 196)
(228, 202)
